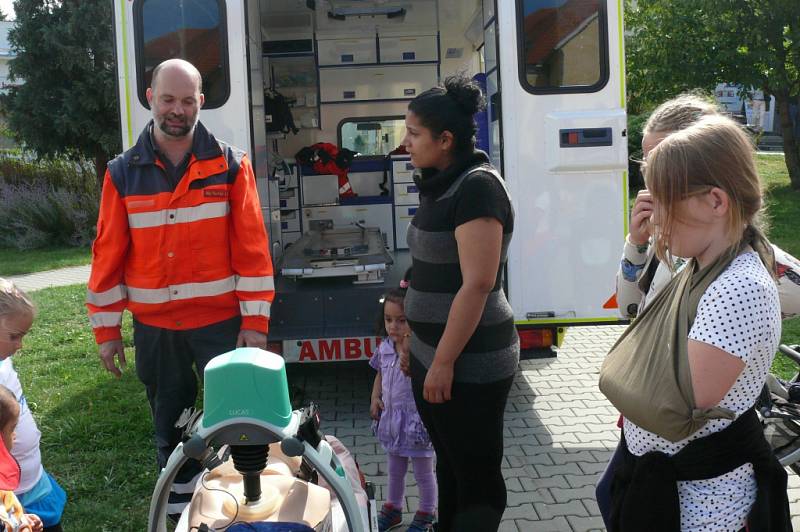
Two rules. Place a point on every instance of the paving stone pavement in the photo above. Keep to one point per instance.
(559, 433)
(559, 429)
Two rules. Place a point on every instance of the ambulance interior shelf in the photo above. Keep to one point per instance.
(369, 179)
(343, 235)
(334, 252)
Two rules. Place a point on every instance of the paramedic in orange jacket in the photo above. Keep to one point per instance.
(182, 245)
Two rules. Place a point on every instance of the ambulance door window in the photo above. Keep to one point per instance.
(562, 45)
(194, 30)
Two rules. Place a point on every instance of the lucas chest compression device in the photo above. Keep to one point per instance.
(247, 408)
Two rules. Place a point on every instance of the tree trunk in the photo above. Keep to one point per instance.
(100, 163)
(790, 147)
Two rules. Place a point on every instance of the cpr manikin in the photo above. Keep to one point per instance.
(219, 498)
(262, 461)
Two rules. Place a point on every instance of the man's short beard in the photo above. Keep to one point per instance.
(170, 130)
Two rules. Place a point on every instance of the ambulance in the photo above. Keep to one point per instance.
(281, 76)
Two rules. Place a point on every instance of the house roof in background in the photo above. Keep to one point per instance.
(552, 25)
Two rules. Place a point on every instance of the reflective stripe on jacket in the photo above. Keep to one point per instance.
(180, 259)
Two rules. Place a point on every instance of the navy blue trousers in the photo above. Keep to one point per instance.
(170, 363)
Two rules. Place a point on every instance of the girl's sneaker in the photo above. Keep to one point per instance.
(423, 522)
(389, 517)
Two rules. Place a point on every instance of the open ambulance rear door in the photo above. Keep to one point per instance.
(557, 75)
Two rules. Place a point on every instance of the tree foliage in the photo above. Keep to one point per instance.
(66, 104)
(668, 51)
(677, 45)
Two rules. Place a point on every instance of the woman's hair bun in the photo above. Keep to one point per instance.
(466, 93)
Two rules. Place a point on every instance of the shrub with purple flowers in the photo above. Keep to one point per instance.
(56, 209)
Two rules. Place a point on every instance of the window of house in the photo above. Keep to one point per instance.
(194, 30)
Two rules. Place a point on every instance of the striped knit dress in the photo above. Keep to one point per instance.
(465, 191)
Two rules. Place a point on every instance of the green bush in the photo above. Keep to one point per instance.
(46, 203)
(635, 125)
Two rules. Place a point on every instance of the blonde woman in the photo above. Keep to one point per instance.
(671, 116)
(634, 288)
(706, 202)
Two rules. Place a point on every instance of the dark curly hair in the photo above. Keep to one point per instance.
(451, 108)
(395, 295)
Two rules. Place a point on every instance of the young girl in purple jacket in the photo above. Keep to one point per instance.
(397, 424)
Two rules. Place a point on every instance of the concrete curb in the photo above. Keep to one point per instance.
(61, 277)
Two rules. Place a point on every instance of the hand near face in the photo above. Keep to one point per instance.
(640, 218)
(34, 522)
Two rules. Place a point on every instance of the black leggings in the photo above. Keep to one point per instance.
(467, 434)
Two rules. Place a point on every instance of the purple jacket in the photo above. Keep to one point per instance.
(399, 430)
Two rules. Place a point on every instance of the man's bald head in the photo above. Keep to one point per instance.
(177, 67)
(175, 99)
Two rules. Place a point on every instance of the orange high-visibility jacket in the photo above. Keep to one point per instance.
(183, 258)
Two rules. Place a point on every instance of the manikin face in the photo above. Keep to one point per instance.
(394, 319)
(12, 330)
(175, 102)
(426, 151)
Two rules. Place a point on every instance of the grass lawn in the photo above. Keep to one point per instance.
(15, 262)
(783, 206)
(96, 430)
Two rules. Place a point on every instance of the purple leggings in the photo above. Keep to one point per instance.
(424, 475)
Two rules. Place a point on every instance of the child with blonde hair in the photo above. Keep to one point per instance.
(642, 275)
(632, 285)
(37, 491)
(719, 473)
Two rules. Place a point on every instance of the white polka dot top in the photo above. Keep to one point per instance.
(740, 314)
